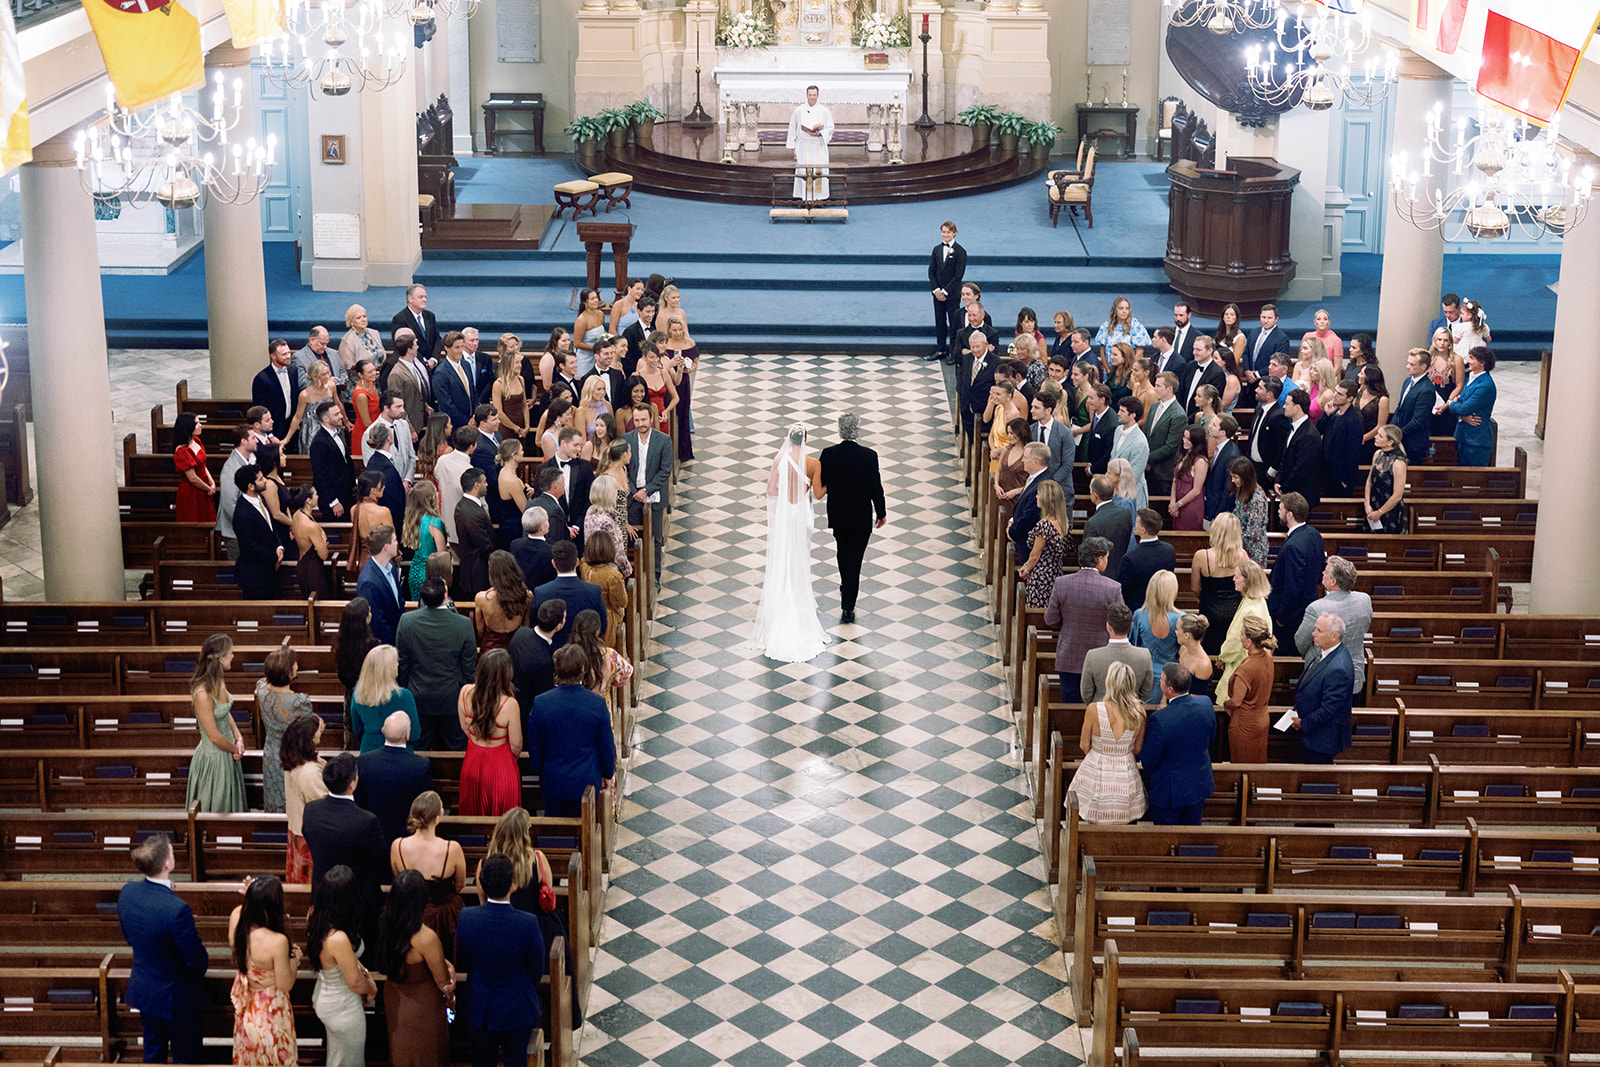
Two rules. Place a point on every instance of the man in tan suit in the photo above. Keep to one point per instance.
(409, 378)
(1097, 661)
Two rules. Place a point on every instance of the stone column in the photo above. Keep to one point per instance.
(389, 175)
(1566, 570)
(1413, 259)
(236, 284)
(80, 533)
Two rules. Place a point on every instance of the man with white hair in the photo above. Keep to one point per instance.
(390, 777)
(532, 549)
(480, 368)
(1351, 605)
(1322, 698)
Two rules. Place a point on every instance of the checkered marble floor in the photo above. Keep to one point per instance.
(829, 862)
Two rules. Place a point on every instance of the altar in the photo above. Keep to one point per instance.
(777, 78)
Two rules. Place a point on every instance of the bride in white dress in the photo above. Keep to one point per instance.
(787, 627)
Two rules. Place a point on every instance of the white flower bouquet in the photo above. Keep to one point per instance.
(744, 30)
(881, 30)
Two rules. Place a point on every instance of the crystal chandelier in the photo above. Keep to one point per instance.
(1223, 16)
(1520, 180)
(1318, 67)
(422, 12)
(377, 63)
(154, 155)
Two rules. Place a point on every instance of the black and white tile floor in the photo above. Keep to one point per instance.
(828, 863)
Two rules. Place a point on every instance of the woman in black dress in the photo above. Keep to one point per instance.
(1386, 482)
(1373, 402)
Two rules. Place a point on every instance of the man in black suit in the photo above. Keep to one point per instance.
(502, 952)
(260, 552)
(578, 594)
(1222, 452)
(1413, 412)
(946, 267)
(532, 549)
(1205, 370)
(438, 654)
(1296, 571)
(1109, 520)
(607, 354)
(977, 319)
(532, 650)
(338, 832)
(1166, 358)
(486, 446)
(1341, 444)
(379, 459)
(976, 379)
(1267, 433)
(1025, 513)
(552, 494)
(474, 534)
(332, 473)
(389, 778)
(1260, 343)
(854, 492)
(1185, 331)
(416, 317)
(167, 983)
(577, 478)
(637, 334)
(1149, 555)
(1299, 466)
(277, 386)
(1097, 441)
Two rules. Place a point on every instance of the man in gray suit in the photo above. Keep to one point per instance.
(403, 453)
(651, 470)
(316, 351)
(1167, 423)
(438, 655)
(1351, 605)
(1098, 661)
(1059, 439)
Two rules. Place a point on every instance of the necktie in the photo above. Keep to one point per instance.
(422, 380)
(1406, 388)
(566, 482)
(946, 251)
(464, 383)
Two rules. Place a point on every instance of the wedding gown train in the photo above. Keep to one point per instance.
(787, 627)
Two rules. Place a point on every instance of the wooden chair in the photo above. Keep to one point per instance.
(1072, 193)
(1171, 107)
(1077, 171)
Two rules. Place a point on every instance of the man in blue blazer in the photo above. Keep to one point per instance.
(1473, 408)
(1025, 513)
(380, 583)
(1260, 343)
(1219, 486)
(452, 386)
(1413, 411)
(380, 461)
(167, 983)
(1297, 570)
(578, 594)
(569, 740)
(1323, 697)
(1058, 439)
(1176, 751)
(502, 952)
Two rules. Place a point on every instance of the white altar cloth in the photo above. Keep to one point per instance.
(781, 74)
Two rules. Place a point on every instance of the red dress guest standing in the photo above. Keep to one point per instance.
(491, 783)
(196, 502)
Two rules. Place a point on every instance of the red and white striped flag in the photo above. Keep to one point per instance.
(1530, 53)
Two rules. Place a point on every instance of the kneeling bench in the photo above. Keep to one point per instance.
(580, 195)
(615, 187)
(810, 214)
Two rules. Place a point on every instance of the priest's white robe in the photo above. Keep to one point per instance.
(809, 151)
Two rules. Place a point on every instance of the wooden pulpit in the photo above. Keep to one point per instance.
(1228, 232)
(595, 236)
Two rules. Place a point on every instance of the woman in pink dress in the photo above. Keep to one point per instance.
(491, 784)
(1107, 784)
(1188, 506)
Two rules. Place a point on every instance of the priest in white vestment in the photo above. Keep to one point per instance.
(810, 130)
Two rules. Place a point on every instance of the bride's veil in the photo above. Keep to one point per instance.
(786, 621)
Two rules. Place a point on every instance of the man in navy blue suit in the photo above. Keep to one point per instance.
(503, 952)
(380, 584)
(389, 778)
(1323, 697)
(1176, 752)
(1297, 570)
(579, 594)
(1261, 342)
(277, 386)
(1025, 514)
(167, 983)
(569, 741)
(1219, 486)
(1413, 412)
(260, 552)
(486, 449)
(452, 386)
(380, 461)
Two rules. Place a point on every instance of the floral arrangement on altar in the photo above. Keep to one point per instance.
(744, 30)
(879, 29)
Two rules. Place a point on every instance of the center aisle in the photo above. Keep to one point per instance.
(829, 863)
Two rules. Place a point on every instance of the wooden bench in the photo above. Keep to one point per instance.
(1559, 637)
(156, 622)
(142, 669)
(579, 194)
(114, 721)
(1491, 684)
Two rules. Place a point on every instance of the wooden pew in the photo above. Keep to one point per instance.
(138, 670)
(113, 721)
(1491, 684)
(1463, 736)
(59, 1003)
(155, 622)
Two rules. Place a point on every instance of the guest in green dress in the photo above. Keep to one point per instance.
(216, 777)
(278, 705)
(422, 531)
(378, 695)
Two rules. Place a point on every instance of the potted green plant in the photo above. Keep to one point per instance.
(585, 133)
(1042, 136)
(980, 117)
(616, 122)
(644, 115)
(1010, 126)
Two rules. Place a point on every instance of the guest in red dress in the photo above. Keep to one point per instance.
(197, 490)
(491, 784)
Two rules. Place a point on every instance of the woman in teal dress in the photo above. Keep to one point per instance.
(216, 777)
(422, 531)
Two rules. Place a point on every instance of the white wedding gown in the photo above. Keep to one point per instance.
(787, 627)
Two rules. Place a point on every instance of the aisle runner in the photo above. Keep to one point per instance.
(833, 862)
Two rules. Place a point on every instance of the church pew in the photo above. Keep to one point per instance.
(155, 469)
(143, 542)
(1428, 515)
(61, 1003)
(156, 503)
(1452, 636)
(230, 409)
(216, 436)
(1486, 683)
(155, 622)
(139, 670)
(1427, 1023)
(212, 580)
(113, 721)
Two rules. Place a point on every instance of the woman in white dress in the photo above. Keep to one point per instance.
(787, 627)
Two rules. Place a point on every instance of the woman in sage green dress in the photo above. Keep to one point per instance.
(216, 777)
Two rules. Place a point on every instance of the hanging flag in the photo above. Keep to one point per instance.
(17, 146)
(1449, 33)
(254, 20)
(151, 48)
(1343, 7)
(1530, 53)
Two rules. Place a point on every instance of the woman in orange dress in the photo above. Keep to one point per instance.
(491, 784)
(197, 490)
(263, 1020)
(366, 400)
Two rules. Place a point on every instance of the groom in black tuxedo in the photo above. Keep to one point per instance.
(854, 491)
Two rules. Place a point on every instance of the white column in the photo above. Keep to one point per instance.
(236, 283)
(1566, 569)
(460, 87)
(80, 533)
(389, 177)
(1413, 259)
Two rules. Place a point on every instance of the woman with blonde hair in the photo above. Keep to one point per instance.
(1303, 373)
(1246, 700)
(1120, 325)
(1048, 545)
(614, 464)
(1155, 626)
(509, 394)
(319, 386)
(602, 517)
(422, 532)
(360, 340)
(439, 860)
(1252, 584)
(1128, 487)
(1107, 783)
(1325, 380)
(683, 357)
(1386, 482)
(591, 404)
(1331, 343)
(672, 305)
(1211, 574)
(378, 694)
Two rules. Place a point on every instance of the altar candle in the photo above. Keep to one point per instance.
(924, 22)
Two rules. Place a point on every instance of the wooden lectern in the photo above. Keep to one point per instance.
(595, 236)
(1228, 232)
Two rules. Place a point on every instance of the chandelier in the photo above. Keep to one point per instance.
(1223, 16)
(377, 63)
(154, 155)
(1306, 76)
(1520, 180)
(422, 12)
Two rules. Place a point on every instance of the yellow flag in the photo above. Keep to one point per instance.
(16, 147)
(151, 48)
(253, 20)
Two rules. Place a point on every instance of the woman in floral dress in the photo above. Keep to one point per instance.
(263, 1020)
(1047, 544)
